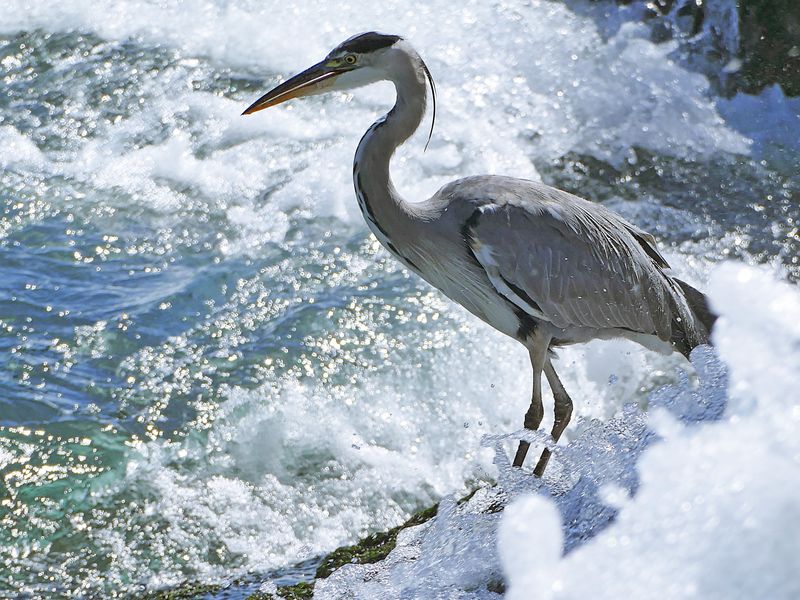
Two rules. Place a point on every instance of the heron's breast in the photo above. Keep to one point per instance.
(449, 268)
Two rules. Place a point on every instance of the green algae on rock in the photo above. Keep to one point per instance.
(373, 548)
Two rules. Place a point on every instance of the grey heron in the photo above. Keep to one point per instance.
(541, 265)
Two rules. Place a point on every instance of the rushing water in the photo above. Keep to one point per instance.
(208, 367)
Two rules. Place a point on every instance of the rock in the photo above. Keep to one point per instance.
(371, 549)
(770, 45)
(761, 49)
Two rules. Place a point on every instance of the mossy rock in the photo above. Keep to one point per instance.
(183, 591)
(371, 549)
(298, 591)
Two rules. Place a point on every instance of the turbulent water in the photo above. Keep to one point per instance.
(208, 368)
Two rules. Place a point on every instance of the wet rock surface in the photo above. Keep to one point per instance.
(770, 45)
(758, 48)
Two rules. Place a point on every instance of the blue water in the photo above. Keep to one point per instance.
(207, 366)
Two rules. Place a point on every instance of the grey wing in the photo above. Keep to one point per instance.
(573, 263)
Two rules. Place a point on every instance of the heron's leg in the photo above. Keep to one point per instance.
(563, 412)
(533, 418)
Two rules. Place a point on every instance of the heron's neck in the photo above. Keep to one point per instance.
(382, 206)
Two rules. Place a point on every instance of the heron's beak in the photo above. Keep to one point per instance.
(313, 80)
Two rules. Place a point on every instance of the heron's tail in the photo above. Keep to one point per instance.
(685, 336)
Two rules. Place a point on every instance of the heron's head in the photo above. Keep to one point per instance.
(360, 60)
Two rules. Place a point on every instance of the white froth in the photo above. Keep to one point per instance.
(770, 119)
(18, 151)
(291, 470)
(540, 83)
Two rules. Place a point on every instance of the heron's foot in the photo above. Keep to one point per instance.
(522, 451)
(542, 464)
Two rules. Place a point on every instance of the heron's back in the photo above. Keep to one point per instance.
(569, 263)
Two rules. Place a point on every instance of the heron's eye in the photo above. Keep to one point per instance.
(350, 59)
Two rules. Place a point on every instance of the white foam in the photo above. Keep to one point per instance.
(770, 119)
(18, 151)
(292, 469)
(541, 82)
(535, 524)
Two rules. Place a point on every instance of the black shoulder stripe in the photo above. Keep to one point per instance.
(521, 293)
(466, 232)
(469, 224)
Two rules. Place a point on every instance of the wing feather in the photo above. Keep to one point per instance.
(572, 262)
